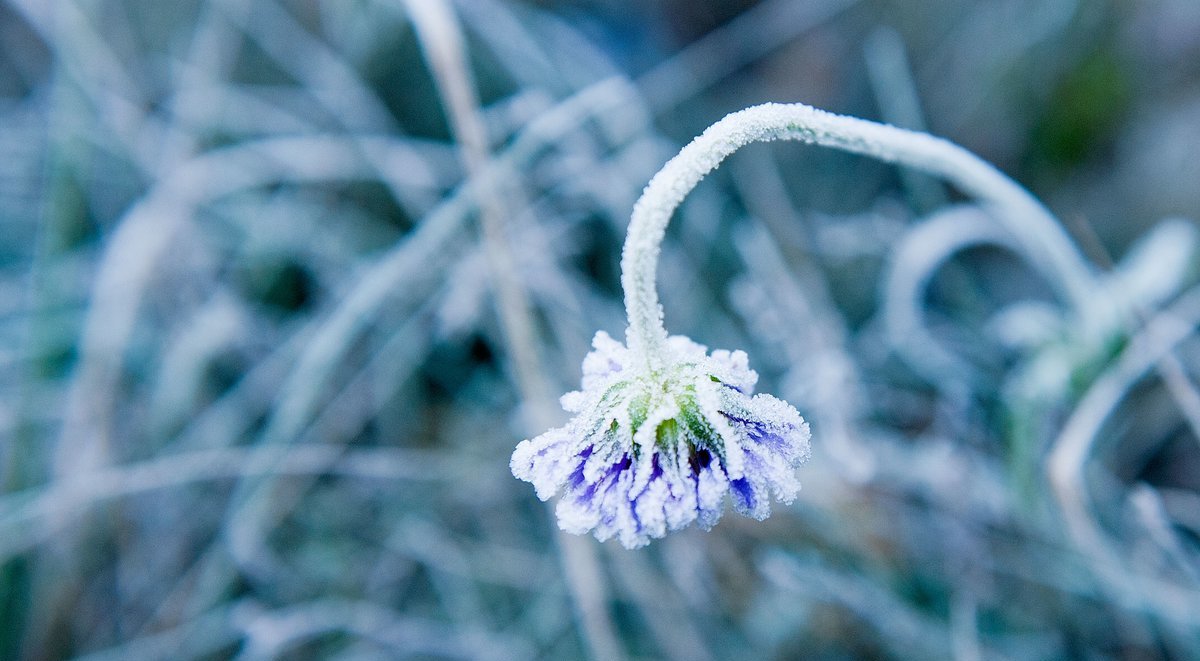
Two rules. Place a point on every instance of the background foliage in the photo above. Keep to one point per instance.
(259, 390)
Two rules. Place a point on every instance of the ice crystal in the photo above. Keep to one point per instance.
(649, 451)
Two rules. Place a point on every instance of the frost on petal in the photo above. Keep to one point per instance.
(710, 403)
(684, 350)
(732, 368)
(650, 508)
(774, 439)
(574, 401)
(548, 460)
(608, 357)
(589, 503)
(711, 485)
(749, 498)
(776, 425)
(646, 452)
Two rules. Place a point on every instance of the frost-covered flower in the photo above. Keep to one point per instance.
(649, 451)
(661, 429)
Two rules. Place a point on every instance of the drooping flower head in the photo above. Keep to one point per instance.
(651, 451)
(662, 430)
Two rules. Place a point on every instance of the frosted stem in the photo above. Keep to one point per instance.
(1032, 225)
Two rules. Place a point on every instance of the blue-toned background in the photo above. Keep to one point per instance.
(259, 384)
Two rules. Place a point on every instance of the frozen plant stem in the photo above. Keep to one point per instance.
(444, 48)
(1030, 222)
(662, 429)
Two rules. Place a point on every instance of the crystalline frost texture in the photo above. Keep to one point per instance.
(647, 453)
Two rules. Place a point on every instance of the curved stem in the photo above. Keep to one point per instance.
(1032, 225)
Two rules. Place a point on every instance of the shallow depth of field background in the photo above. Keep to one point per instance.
(259, 379)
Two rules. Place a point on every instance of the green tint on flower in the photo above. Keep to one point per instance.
(651, 451)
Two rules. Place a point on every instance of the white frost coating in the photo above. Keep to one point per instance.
(662, 430)
(1031, 224)
(650, 452)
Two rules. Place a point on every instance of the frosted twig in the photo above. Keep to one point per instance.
(964, 630)
(501, 27)
(485, 563)
(1070, 452)
(137, 245)
(87, 60)
(898, 624)
(211, 54)
(271, 633)
(28, 517)
(1182, 389)
(325, 74)
(665, 614)
(201, 637)
(1149, 274)
(1149, 509)
(815, 340)
(442, 42)
(912, 266)
(409, 262)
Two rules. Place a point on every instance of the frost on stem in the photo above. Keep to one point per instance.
(661, 429)
(1031, 225)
